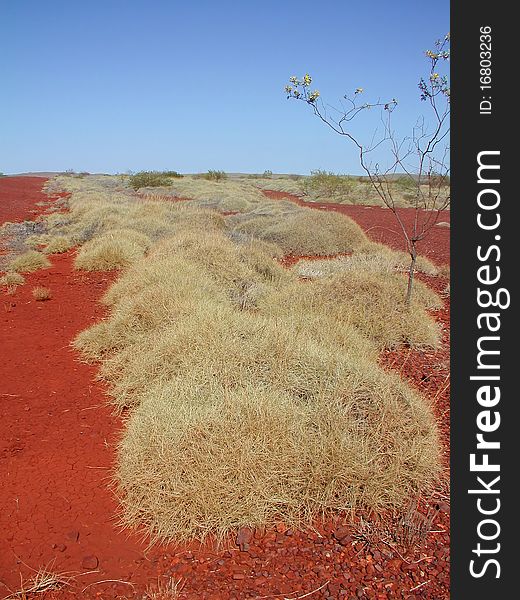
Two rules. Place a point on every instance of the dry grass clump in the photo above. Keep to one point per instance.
(397, 259)
(227, 196)
(55, 221)
(41, 294)
(375, 304)
(307, 232)
(374, 258)
(36, 241)
(236, 348)
(182, 274)
(198, 460)
(235, 267)
(58, 244)
(279, 184)
(190, 215)
(253, 396)
(169, 590)
(43, 581)
(145, 301)
(29, 261)
(113, 250)
(372, 302)
(255, 245)
(11, 280)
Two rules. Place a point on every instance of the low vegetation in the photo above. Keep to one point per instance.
(329, 185)
(251, 394)
(29, 261)
(144, 179)
(213, 175)
(11, 280)
(115, 249)
(304, 231)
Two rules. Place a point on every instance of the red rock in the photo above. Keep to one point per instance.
(90, 562)
(243, 539)
(333, 589)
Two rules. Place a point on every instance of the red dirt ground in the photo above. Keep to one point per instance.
(18, 196)
(57, 449)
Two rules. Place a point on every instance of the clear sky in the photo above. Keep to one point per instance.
(117, 85)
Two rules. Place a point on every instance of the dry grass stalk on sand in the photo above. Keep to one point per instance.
(164, 591)
(42, 582)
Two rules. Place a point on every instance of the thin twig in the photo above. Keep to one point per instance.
(420, 585)
(107, 581)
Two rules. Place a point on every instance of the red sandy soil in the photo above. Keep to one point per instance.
(57, 439)
(18, 196)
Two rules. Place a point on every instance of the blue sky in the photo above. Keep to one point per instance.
(113, 85)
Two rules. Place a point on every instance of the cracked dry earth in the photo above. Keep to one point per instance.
(57, 439)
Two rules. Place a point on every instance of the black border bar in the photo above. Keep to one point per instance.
(484, 122)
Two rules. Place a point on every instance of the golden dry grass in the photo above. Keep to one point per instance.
(50, 244)
(12, 280)
(58, 244)
(41, 294)
(226, 196)
(115, 249)
(374, 258)
(199, 460)
(307, 232)
(372, 302)
(169, 590)
(29, 261)
(253, 396)
(237, 347)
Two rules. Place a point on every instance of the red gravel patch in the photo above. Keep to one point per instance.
(57, 440)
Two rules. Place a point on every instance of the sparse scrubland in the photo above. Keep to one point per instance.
(250, 394)
(325, 187)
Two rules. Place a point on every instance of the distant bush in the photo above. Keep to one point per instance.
(212, 175)
(152, 178)
(172, 174)
(327, 184)
(267, 174)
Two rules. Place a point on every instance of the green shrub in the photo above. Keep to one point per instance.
(325, 184)
(215, 175)
(152, 178)
(175, 174)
